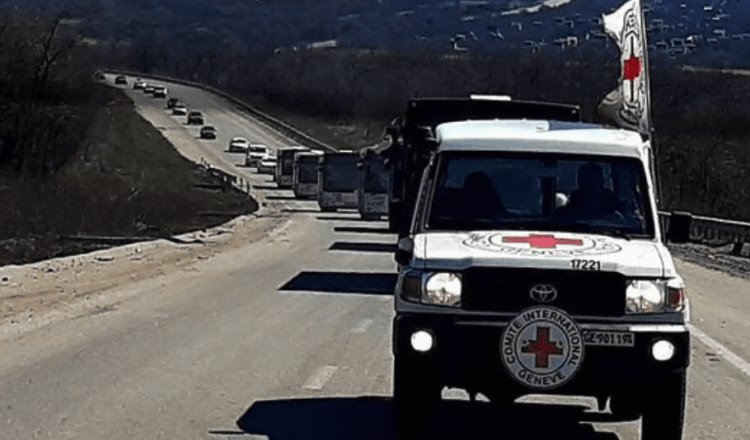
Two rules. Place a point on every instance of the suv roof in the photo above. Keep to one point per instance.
(539, 136)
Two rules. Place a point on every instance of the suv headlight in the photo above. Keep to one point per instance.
(442, 288)
(655, 296)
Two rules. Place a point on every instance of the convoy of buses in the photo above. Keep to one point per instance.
(344, 179)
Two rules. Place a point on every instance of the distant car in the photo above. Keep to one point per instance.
(238, 145)
(100, 76)
(195, 118)
(121, 79)
(179, 110)
(148, 90)
(267, 165)
(208, 132)
(160, 92)
(172, 102)
(255, 153)
(139, 84)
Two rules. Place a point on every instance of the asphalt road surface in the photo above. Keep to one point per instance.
(289, 339)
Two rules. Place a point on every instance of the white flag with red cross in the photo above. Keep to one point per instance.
(629, 105)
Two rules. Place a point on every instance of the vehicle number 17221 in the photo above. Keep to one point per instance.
(586, 264)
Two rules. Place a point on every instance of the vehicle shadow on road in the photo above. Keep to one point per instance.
(299, 210)
(361, 230)
(266, 187)
(360, 246)
(342, 218)
(365, 418)
(363, 283)
(282, 198)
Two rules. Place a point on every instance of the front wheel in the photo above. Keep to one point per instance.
(664, 411)
(415, 396)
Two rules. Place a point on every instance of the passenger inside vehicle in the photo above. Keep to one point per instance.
(592, 199)
(479, 198)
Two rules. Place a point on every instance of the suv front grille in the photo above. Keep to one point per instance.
(578, 293)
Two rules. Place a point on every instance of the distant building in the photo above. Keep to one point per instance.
(323, 45)
(566, 42)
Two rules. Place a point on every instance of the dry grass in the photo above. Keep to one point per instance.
(126, 180)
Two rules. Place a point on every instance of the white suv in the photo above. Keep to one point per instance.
(534, 264)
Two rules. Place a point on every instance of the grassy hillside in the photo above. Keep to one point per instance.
(124, 180)
(346, 97)
(75, 158)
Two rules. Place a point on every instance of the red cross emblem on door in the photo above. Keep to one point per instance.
(542, 348)
(544, 241)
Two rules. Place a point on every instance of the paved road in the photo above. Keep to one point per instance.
(289, 338)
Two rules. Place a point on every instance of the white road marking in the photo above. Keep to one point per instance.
(362, 326)
(727, 354)
(320, 378)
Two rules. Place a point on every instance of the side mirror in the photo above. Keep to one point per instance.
(404, 251)
(390, 134)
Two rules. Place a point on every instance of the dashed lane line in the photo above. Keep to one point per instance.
(320, 378)
(721, 350)
(362, 326)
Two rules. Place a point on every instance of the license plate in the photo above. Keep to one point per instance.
(608, 339)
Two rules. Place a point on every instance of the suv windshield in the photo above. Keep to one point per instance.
(556, 192)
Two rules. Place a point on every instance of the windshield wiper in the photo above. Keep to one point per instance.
(445, 222)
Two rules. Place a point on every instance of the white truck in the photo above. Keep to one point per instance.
(372, 195)
(534, 264)
(305, 175)
(338, 181)
(284, 176)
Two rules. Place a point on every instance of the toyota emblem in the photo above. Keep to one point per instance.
(543, 293)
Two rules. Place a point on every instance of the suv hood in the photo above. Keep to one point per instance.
(543, 250)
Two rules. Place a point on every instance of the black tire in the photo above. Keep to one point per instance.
(393, 217)
(415, 397)
(664, 409)
(500, 398)
(626, 405)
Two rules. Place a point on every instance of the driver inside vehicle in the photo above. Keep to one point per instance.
(592, 199)
(479, 200)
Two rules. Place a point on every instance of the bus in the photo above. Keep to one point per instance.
(305, 175)
(285, 166)
(372, 196)
(338, 181)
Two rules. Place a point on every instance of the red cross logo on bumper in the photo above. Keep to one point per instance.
(542, 348)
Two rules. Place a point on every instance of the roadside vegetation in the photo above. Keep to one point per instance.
(77, 160)
(346, 97)
(68, 165)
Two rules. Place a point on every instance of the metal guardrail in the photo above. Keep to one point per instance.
(227, 180)
(679, 227)
(273, 123)
(684, 227)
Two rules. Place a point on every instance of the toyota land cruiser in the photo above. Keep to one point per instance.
(534, 264)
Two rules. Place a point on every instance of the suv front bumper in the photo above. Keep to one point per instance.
(466, 354)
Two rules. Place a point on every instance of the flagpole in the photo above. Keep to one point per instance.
(649, 120)
(647, 70)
